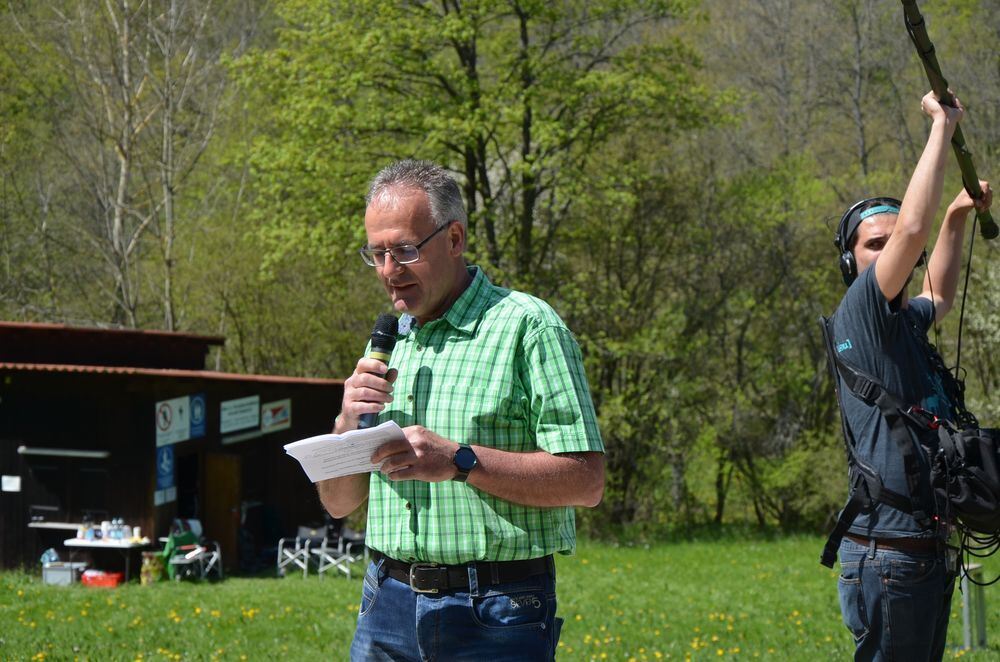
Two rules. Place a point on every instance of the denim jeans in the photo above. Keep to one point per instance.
(896, 604)
(513, 621)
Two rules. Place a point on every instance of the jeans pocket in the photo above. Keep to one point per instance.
(852, 601)
(516, 607)
(369, 591)
(911, 571)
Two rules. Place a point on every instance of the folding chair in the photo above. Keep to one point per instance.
(353, 543)
(178, 546)
(295, 550)
(189, 555)
(340, 548)
(331, 555)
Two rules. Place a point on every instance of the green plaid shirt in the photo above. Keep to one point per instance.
(499, 369)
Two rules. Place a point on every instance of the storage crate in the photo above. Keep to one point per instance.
(62, 574)
(101, 578)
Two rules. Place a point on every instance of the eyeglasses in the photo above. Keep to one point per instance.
(402, 254)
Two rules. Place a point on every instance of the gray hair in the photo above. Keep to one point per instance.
(442, 191)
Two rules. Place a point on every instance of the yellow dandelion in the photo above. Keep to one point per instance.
(720, 652)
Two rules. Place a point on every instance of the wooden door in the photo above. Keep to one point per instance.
(221, 490)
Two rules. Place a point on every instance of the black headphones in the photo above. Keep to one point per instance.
(849, 223)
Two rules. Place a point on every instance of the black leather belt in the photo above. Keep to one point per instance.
(435, 578)
(899, 544)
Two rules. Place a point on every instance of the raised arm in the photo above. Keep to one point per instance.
(945, 265)
(923, 195)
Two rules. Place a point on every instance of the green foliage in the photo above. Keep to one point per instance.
(666, 173)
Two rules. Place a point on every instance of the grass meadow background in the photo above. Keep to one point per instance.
(732, 596)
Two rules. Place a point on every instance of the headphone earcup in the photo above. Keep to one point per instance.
(848, 267)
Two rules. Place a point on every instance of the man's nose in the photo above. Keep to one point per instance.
(390, 267)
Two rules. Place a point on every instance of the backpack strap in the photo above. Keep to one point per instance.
(898, 416)
(866, 484)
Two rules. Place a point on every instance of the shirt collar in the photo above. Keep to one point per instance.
(465, 312)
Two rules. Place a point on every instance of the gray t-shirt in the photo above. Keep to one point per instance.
(877, 337)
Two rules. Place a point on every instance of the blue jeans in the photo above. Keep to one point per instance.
(513, 621)
(896, 604)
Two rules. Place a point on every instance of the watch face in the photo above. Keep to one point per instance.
(465, 459)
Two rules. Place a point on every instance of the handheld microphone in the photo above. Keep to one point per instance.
(383, 342)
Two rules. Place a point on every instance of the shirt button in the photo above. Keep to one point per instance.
(409, 506)
(420, 348)
(409, 398)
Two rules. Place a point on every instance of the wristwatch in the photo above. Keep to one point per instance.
(465, 460)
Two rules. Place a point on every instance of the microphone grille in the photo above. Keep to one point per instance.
(386, 325)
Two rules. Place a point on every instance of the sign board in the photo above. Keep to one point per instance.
(172, 424)
(166, 489)
(276, 415)
(199, 411)
(10, 484)
(239, 414)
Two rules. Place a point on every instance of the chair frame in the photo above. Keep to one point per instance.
(294, 550)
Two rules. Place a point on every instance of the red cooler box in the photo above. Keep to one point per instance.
(101, 578)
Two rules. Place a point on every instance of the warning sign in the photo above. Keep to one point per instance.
(172, 421)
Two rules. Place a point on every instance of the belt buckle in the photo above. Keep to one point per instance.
(422, 566)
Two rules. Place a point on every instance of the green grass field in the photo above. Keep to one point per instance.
(703, 599)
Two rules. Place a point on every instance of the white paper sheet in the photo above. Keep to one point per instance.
(333, 455)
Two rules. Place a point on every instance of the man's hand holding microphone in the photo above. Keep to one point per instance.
(423, 455)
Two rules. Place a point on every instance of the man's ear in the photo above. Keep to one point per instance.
(456, 239)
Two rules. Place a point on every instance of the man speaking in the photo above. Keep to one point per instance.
(501, 442)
